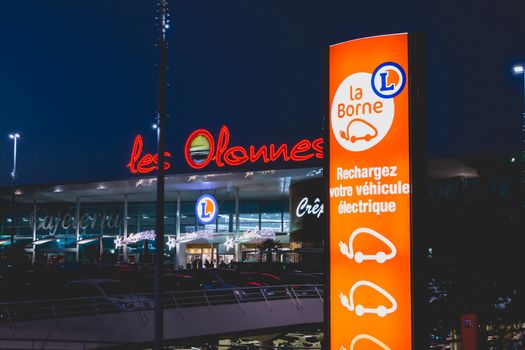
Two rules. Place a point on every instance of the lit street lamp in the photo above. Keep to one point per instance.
(520, 70)
(13, 136)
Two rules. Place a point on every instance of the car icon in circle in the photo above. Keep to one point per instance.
(359, 129)
(359, 257)
(360, 310)
(367, 337)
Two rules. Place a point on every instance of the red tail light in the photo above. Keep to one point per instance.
(257, 284)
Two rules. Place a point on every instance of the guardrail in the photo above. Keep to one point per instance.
(36, 343)
(14, 312)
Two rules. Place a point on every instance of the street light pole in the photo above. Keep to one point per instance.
(523, 130)
(520, 69)
(159, 228)
(13, 136)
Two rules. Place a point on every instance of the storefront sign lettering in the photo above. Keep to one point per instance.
(144, 163)
(305, 208)
(54, 222)
(222, 154)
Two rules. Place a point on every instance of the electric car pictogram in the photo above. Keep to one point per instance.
(360, 310)
(367, 337)
(359, 257)
(359, 129)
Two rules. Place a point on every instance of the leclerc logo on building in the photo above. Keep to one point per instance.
(388, 80)
(206, 209)
(363, 106)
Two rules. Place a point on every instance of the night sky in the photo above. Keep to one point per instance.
(78, 79)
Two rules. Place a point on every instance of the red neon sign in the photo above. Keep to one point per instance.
(222, 154)
(146, 163)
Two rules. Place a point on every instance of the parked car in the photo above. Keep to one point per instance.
(106, 295)
(216, 278)
(171, 282)
(275, 267)
(245, 344)
(297, 284)
(219, 283)
(286, 341)
(282, 278)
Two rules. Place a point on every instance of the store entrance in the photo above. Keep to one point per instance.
(199, 256)
(225, 260)
(55, 259)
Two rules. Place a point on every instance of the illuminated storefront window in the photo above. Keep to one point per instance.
(105, 219)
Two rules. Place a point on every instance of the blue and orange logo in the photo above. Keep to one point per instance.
(388, 80)
(206, 209)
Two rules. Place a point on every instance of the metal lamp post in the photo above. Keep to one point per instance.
(161, 132)
(15, 137)
(520, 70)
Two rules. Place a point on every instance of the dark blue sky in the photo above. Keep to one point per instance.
(78, 79)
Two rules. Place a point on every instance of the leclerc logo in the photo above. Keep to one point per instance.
(206, 209)
(388, 80)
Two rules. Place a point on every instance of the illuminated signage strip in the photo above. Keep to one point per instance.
(370, 194)
(220, 152)
(251, 235)
(140, 236)
(193, 236)
(134, 238)
(248, 236)
(209, 234)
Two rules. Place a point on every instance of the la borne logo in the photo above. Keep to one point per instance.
(363, 106)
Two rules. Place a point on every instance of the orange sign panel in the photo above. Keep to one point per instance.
(370, 195)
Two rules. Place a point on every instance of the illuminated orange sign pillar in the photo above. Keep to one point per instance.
(374, 174)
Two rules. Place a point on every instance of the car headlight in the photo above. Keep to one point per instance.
(239, 293)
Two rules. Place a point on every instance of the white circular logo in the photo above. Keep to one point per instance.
(360, 118)
(206, 209)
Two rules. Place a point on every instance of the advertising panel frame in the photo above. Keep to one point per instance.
(418, 201)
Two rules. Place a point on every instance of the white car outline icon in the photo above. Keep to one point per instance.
(359, 257)
(360, 310)
(367, 337)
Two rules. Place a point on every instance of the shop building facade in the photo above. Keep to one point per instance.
(114, 221)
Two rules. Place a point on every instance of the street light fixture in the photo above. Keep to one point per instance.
(15, 137)
(519, 69)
